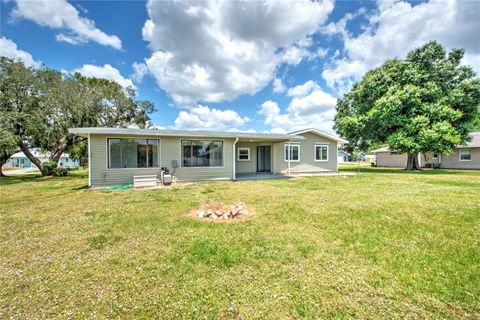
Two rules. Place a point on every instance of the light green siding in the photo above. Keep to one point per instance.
(250, 166)
(170, 150)
(102, 176)
(307, 163)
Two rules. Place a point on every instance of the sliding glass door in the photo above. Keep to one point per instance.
(264, 159)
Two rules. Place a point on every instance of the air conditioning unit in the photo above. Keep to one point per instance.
(166, 177)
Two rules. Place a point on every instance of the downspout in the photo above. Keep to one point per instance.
(289, 156)
(234, 171)
(338, 145)
(89, 163)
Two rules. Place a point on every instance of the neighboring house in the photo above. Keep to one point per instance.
(20, 160)
(116, 155)
(466, 156)
(343, 156)
(370, 158)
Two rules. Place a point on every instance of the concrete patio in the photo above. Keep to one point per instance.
(269, 175)
(259, 176)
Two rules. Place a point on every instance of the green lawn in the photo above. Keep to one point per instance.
(381, 244)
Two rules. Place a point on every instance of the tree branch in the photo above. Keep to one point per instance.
(24, 147)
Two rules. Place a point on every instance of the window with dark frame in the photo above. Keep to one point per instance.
(294, 152)
(243, 154)
(202, 153)
(133, 153)
(321, 152)
(465, 155)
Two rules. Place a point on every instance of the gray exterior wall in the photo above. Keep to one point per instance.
(102, 176)
(427, 158)
(307, 162)
(453, 160)
(385, 159)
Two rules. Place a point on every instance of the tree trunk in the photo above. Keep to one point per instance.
(1, 172)
(55, 157)
(412, 162)
(57, 153)
(35, 161)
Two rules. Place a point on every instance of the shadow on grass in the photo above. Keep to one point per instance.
(84, 187)
(8, 180)
(363, 169)
(36, 178)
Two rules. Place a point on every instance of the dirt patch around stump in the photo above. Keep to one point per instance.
(220, 212)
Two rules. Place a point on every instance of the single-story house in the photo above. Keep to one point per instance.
(465, 156)
(20, 160)
(343, 156)
(116, 155)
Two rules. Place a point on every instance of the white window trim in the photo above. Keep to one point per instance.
(460, 154)
(243, 149)
(315, 152)
(107, 152)
(196, 168)
(285, 151)
(433, 156)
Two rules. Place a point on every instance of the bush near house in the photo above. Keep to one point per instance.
(385, 243)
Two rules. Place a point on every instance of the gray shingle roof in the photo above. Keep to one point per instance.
(475, 143)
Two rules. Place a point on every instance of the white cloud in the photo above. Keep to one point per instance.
(238, 130)
(59, 14)
(214, 51)
(270, 110)
(398, 27)
(105, 72)
(204, 118)
(9, 49)
(278, 131)
(296, 53)
(345, 72)
(317, 102)
(303, 89)
(310, 107)
(278, 86)
(140, 70)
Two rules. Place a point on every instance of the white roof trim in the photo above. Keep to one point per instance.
(183, 133)
(320, 133)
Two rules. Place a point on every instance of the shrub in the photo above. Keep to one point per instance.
(52, 169)
(60, 172)
(49, 168)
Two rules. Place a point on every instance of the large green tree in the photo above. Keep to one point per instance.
(8, 146)
(40, 105)
(427, 102)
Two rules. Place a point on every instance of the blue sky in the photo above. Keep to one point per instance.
(262, 66)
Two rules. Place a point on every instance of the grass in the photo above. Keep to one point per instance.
(381, 244)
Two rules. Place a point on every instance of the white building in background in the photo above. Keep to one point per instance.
(20, 160)
(343, 156)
